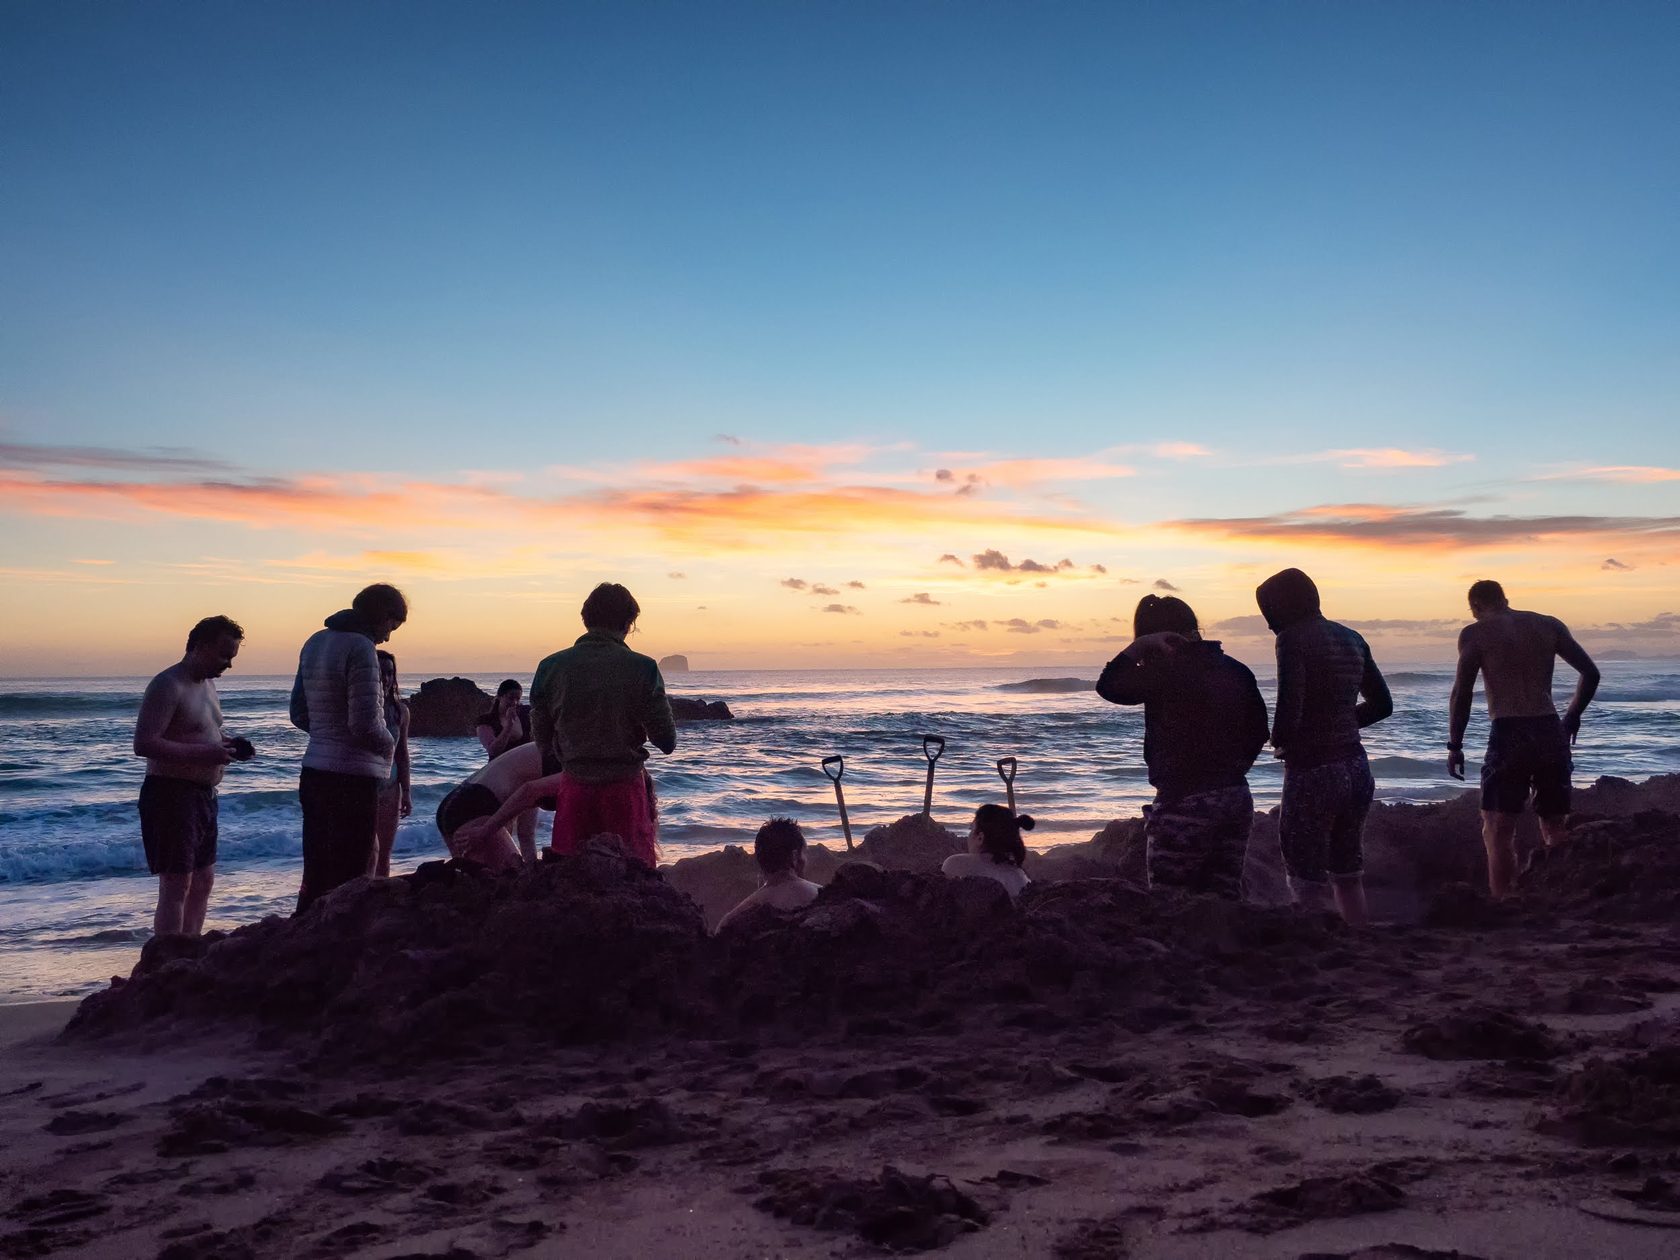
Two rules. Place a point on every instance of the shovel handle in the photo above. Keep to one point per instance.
(932, 746)
(839, 794)
(1006, 772)
(836, 774)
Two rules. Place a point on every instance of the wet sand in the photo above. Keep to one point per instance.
(1145, 1077)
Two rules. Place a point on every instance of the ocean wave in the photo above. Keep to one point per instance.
(59, 704)
(1048, 686)
(1405, 677)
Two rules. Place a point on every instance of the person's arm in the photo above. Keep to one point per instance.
(741, 907)
(661, 727)
(1375, 702)
(542, 721)
(1291, 695)
(405, 797)
(300, 701)
(487, 737)
(1254, 726)
(157, 710)
(1463, 696)
(1585, 688)
(364, 691)
(1136, 675)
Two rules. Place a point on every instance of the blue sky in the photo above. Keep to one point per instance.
(413, 239)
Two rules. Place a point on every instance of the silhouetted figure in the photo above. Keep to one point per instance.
(593, 708)
(506, 725)
(779, 850)
(1528, 744)
(337, 698)
(995, 850)
(179, 733)
(396, 798)
(1204, 723)
(1329, 689)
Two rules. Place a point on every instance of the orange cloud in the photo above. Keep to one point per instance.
(1626, 474)
(1379, 459)
(1429, 528)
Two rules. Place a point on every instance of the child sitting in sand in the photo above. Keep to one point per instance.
(779, 849)
(995, 850)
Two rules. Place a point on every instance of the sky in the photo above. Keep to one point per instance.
(844, 334)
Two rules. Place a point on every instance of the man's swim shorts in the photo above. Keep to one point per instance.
(1527, 755)
(177, 825)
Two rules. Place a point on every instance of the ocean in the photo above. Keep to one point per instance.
(76, 901)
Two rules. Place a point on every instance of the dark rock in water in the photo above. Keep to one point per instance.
(1482, 1034)
(685, 709)
(674, 664)
(913, 843)
(447, 706)
(894, 1211)
(1627, 1101)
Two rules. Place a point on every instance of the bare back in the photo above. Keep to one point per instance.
(183, 710)
(1515, 650)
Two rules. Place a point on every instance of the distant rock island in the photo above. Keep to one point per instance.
(1044, 685)
(673, 664)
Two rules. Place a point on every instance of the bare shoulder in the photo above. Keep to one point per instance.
(1470, 637)
(169, 684)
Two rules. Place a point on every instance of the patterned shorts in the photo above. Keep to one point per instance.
(1321, 822)
(1198, 842)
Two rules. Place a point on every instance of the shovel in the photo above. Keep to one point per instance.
(932, 746)
(1006, 772)
(835, 775)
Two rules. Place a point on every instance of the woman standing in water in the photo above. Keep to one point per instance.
(395, 800)
(503, 728)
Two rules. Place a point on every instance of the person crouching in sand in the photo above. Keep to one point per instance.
(1328, 690)
(474, 818)
(779, 850)
(1204, 723)
(995, 850)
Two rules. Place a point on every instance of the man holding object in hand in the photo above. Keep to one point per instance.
(1528, 744)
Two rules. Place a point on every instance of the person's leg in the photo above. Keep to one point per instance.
(1231, 819)
(317, 816)
(528, 836)
(385, 828)
(170, 916)
(1303, 836)
(355, 840)
(1165, 854)
(1554, 830)
(1355, 790)
(1553, 787)
(568, 819)
(198, 900)
(1499, 838)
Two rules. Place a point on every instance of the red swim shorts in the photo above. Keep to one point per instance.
(624, 808)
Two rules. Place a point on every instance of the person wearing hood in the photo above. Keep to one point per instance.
(338, 699)
(1328, 690)
(1204, 723)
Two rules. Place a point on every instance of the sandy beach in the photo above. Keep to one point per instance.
(1097, 1073)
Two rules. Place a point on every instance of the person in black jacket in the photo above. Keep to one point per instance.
(1204, 723)
(1329, 689)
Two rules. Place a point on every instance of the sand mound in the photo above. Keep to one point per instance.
(438, 963)
(1632, 1100)
(1624, 869)
(1482, 1034)
(913, 843)
(894, 1211)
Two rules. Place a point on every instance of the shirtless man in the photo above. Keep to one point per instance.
(1528, 745)
(179, 733)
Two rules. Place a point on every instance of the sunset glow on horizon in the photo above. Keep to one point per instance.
(844, 335)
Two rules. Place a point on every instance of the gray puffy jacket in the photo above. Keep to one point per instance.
(336, 698)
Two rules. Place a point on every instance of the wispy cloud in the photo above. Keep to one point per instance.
(151, 459)
(921, 597)
(843, 609)
(1377, 458)
(1616, 566)
(1439, 528)
(1625, 474)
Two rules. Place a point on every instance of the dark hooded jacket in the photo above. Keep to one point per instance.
(1204, 721)
(1329, 688)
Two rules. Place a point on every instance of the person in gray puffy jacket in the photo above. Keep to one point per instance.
(338, 699)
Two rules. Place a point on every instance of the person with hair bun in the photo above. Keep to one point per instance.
(1204, 723)
(995, 850)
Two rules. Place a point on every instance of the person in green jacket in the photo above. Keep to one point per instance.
(595, 706)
